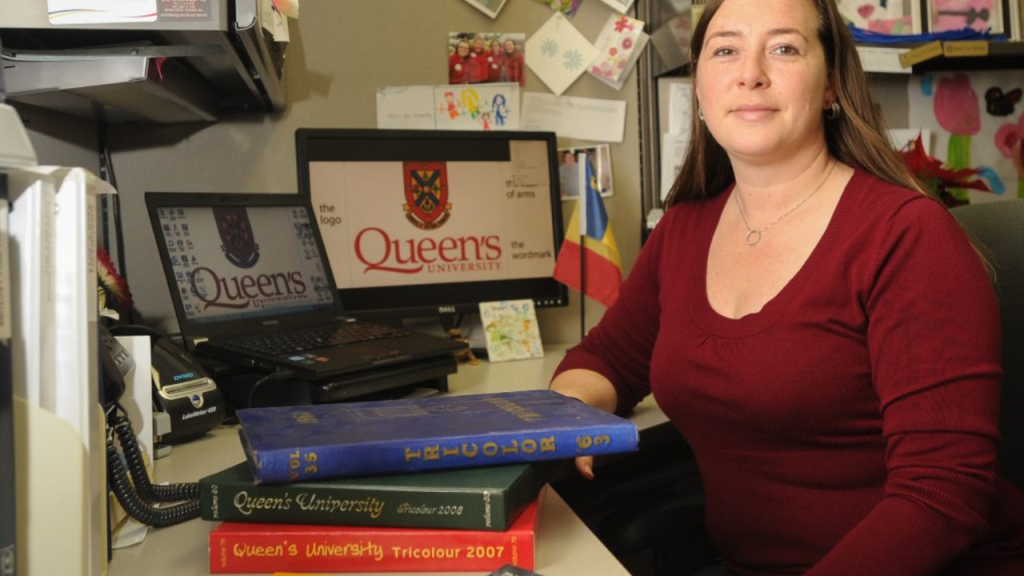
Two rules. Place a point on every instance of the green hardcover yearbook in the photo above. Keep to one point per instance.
(487, 498)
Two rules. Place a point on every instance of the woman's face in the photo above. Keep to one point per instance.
(762, 81)
(463, 49)
(510, 47)
(478, 45)
(495, 47)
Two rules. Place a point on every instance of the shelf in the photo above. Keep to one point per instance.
(1001, 56)
(884, 58)
(171, 70)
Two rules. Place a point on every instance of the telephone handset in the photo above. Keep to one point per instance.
(138, 496)
(117, 363)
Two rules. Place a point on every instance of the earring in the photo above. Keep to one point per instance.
(834, 110)
(700, 113)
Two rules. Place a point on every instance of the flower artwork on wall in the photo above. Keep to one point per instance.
(978, 122)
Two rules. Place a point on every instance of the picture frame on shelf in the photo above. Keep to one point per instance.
(895, 17)
(998, 16)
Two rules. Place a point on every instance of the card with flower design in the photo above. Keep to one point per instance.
(641, 43)
(558, 54)
(617, 43)
(510, 327)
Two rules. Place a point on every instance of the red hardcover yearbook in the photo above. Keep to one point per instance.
(237, 547)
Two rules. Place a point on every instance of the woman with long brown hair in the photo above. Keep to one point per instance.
(821, 332)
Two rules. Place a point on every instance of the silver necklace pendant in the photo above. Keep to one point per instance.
(752, 237)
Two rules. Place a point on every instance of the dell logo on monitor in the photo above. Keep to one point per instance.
(446, 309)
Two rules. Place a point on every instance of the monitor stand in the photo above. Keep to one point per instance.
(376, 384)
(431, 373)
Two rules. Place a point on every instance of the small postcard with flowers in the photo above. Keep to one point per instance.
(510, 327)
(618, 45)
(558, 53)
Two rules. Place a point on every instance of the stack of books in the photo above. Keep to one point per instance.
(445, 483)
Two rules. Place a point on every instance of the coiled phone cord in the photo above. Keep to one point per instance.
(139, 495)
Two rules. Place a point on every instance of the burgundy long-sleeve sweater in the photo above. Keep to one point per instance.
(850, 426)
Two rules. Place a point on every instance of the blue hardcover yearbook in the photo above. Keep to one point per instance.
(292, 443)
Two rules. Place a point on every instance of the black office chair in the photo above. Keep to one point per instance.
(671, 530)
(998, 230)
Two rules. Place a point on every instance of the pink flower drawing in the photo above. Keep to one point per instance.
(956, 105)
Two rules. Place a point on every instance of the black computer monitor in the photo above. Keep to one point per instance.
(418, 223)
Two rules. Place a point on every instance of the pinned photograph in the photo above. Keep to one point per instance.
(485, 57)
(600, 160)
(489, 7)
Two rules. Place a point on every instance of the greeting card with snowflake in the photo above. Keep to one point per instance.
(558, 54)
(618, 45)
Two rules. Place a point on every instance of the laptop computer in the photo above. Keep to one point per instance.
(251, 285)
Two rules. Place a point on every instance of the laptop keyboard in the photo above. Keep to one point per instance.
(286, 343)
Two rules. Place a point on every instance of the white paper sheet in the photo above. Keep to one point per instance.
(673, 152)
(680, 100)
(573, 117)
(558, 54)
(408, 107)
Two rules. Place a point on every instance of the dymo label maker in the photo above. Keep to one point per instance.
(183, 389)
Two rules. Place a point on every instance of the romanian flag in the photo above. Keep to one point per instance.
(603, 267)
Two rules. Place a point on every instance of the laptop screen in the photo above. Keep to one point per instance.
(243, 262)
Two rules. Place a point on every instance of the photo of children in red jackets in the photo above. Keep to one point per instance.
(486, 57)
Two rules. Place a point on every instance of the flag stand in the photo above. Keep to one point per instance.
(581, 205)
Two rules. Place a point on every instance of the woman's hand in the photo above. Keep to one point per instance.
(585, 466)
(590, 388)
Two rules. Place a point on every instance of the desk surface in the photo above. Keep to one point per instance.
(565, 546)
